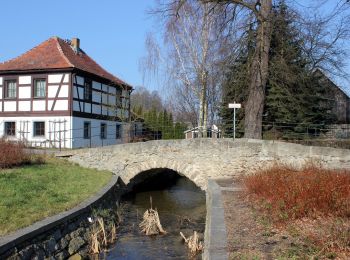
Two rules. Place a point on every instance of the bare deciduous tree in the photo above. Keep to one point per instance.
(192, 27)
(193, 56)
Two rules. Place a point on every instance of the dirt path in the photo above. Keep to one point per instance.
(252, 237)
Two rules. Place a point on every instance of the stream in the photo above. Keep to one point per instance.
(181, 207)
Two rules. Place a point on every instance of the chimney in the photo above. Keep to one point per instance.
(75, 42)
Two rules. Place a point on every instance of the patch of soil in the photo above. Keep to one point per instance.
(251, 236)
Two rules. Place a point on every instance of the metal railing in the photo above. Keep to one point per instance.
(337, 135)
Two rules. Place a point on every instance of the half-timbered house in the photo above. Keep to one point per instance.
(55, 95)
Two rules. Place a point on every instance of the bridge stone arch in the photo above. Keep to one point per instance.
(203, 159)
(183, 169)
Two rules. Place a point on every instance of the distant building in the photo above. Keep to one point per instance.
(340, 100)
(212, 132)
(55, 95)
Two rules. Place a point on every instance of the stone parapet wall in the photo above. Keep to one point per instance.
(203, 159)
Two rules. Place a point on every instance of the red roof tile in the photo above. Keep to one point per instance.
(56, 53)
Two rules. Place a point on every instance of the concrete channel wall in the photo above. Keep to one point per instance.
(215, 237)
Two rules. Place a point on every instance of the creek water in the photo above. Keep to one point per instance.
(181, 207)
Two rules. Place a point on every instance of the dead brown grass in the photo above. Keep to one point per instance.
(12, 154)
(313, 201)
(287, 193)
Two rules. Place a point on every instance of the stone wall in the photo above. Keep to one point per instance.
(203, 159)
(62, 235)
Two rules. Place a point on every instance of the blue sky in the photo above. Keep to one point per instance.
(111, 31)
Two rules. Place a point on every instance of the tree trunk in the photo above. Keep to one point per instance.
(202, 122)
(258, 74)
(203, 105)
(205, 115)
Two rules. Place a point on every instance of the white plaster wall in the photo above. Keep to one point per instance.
(96, 85)
(24, 92)
(61, 105)
(80, 80)
(105, 87)
(55, 78)
(24, 80)
(87, 107)
(49, 105)
(66, 78)
(104, 98)
(112, 90)
(1, 81)
(111, 100)
(26, 125)
(76, 106)
(81, 93)
(96, 96)
(111, 111)
(9, 106)
(52, 90)
(39, 105)
(78, 133)
(63, 91)
(0, 106)
(104, 110)
(96, 109)
(0, 92)
(24, 106)
(75, 92)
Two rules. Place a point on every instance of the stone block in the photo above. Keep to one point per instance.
(75, 244)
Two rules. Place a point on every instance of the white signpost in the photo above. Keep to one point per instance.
(234, 106)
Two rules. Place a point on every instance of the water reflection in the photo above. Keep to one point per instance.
(181, 207)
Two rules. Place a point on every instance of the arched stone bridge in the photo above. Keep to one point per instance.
(203, 159)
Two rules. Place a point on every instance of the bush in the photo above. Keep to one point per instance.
(12, 154)
(286, 193)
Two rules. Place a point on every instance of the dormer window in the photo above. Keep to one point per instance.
(39, 88)
(10, 89)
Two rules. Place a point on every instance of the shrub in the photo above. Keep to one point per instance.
(12, 154)
(286, 193)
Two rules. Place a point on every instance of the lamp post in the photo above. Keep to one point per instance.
(234, 106)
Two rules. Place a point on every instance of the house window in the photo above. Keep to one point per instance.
(39, 128)
(103, 133)
(10, 128)
(10, 89)
(39, 88)
(118, 131)
(119, 97)
(87, 130)
(88, 90)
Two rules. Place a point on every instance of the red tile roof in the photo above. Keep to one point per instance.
(56, 53)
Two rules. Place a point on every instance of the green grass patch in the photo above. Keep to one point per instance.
(33, 192)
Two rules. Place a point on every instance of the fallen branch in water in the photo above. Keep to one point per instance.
(193, 243)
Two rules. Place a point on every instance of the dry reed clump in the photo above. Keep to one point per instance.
(286, 193)
(12, 154)
(193, 243)
(150, 224)
(102, 235)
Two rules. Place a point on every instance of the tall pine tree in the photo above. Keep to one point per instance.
(294, 94)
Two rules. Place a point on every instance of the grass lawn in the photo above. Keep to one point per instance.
(31, 193)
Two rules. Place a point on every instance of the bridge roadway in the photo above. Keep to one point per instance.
(203, 159)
